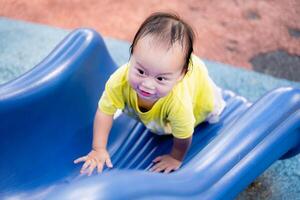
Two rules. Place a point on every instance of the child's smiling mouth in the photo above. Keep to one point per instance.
(144, 93)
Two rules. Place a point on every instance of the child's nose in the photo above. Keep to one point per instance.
(148, 83)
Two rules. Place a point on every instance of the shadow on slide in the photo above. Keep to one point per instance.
(46, 118)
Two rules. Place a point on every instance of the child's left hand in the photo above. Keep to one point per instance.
(165, 163)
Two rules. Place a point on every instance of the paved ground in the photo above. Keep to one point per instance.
(278, 63)
(259, 34)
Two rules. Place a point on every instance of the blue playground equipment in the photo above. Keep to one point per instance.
(46, 118)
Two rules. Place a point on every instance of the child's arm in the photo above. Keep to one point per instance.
(180, 147)
(98, 156)
(172, 161)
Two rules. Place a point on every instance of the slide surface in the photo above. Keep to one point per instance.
(46, 118)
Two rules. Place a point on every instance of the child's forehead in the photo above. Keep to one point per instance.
(155, 41)
(158, 58)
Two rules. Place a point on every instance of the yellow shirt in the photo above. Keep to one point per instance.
(188, 103)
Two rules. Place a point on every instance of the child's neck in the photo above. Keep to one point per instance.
(145, 105)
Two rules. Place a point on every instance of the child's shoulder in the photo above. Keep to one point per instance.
(179, 100)
(197, 64)
(119, 77)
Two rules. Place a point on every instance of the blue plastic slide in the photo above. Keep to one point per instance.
(46, 118)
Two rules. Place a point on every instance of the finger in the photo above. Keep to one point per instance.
(152, 168)
(176, 168)
(168, 170)
(99, 167)
(108, 163)
(85, 166)
(157, 167)
(160, 164)
(157, 159)
(81, 159)
(91, 168)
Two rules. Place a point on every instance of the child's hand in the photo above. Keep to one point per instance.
(165, 163)
(96, 158)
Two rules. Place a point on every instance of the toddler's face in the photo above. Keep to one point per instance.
(154, 68)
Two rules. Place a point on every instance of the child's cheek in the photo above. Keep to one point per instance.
(133, 81)
(164, 91)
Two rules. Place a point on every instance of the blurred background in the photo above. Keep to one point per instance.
(263, 35)
(258, 35)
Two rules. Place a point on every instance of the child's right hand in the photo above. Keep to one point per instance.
(96, 158)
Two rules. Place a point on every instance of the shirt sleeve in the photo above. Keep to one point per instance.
(112, 97)
(109, 102)
(181, 119)
(204, 100)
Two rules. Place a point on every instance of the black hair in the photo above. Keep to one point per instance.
(167, 27)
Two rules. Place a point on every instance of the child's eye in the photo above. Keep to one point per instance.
(141, 72)
(160, 78)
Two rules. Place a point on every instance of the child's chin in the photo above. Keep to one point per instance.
(150, 98)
